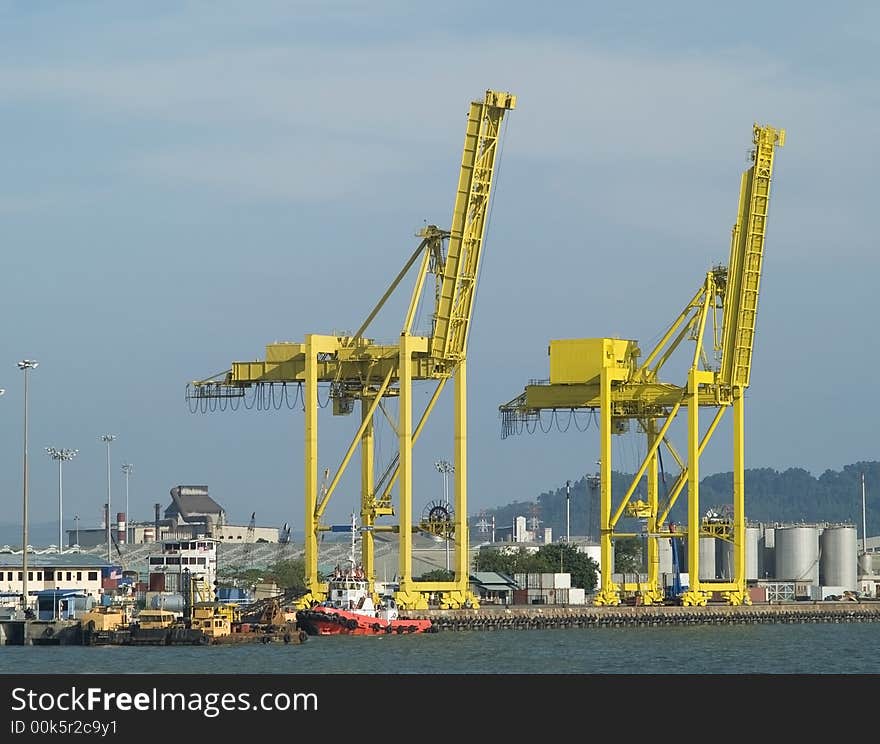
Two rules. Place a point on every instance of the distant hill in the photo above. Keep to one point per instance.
(793, 495)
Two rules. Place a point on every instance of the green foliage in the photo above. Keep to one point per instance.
(552, 558)
(288, 574)
(627, 555)
(438, 574)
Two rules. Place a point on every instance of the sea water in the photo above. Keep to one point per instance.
(809, 648)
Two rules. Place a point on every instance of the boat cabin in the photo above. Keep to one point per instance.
(155, 619)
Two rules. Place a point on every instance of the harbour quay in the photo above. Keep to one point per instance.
(531, 618)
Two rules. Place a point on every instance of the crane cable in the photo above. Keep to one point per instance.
(263, 397)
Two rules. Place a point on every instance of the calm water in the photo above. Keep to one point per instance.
(848, 648)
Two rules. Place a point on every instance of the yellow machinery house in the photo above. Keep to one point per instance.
(155, 619)
(213, 619)
(104, 618)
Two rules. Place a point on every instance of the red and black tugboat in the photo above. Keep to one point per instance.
(350, 610)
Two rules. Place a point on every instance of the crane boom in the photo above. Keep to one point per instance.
(746, 258)
(460, 271)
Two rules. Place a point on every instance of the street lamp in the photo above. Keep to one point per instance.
(127, 468)
(25, 365)
(107, 439)
(445, 468)
(62, 455)
(76, 526)
(567, 511)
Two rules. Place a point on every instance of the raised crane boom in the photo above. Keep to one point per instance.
(746, 258)
(459, 278)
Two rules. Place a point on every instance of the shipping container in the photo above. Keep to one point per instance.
(757, 594)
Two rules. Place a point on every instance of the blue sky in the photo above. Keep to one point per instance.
(183, 183)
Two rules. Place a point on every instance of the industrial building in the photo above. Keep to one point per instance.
(51, 571)
(192, 513)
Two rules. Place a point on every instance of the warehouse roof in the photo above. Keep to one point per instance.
(494, 581)
(52, 560)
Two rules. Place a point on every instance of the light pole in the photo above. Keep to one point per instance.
(107, 439)
(76, 526)
(26, 365)
(445, 468)
(61, 455)
(127, 468)
(864, 522)
(567, 511)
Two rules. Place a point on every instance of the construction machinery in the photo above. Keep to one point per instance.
(357, 368)
(608, 375)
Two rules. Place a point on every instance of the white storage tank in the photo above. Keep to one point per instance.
(839, 557)
(753, 553)
(767, 562)
(797, 553)
(664, 552)
(724, 559)
(707, 559)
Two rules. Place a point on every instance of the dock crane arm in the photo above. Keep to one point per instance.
(359, 369)
(746, 259)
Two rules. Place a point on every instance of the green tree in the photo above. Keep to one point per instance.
(438, 574)
(628, 555)
(565, 558)
(553, 558)
(290, 575)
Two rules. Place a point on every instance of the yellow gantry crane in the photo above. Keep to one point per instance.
(606, 375)
(356, 368)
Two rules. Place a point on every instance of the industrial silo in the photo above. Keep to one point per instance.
(797, 553)
(664, 552)
(767, 561)
(707, 559)
(839, 557)
(866, 564)
(724, 559)
(725, 556)
(753, 553)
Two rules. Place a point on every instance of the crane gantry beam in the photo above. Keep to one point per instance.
(606, 375)
(356, 368)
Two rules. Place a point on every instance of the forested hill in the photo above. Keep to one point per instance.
(793, 495)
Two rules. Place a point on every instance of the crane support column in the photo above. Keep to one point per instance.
(462, 596)
(368, 511)
(407, 596)
(740, 594)
(695, 595)
(653, 594)
(609, 593)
